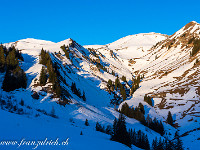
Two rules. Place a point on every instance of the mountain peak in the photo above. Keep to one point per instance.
(190, 24)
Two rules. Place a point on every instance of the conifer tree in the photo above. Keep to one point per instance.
(65, 50)
(141, 107)
(108, 130)
(120, 133)
(14, 79)
(100, 128)
(116, 100)
(125, 109)
(2, 59)
(110, 86)
(148, 99)
(123, 92)
(57, 89)
(42, 57)
(86, 122)
(155, 144)
(124, 78)
(170, 119)
(133, 89)
(43, 76)
(178, 143)
(11, 60)
(117, 83)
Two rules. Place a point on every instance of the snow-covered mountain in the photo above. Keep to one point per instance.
(171, 77)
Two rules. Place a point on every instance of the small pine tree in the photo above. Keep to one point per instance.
(148, 99)
(178, 144)
(99, 127)
(170, 119)
(86, 122)
(123, 93)
(108, 130)
(117, 83)
(155, 144)
(110, 85)
(141, 107)
(57, 89)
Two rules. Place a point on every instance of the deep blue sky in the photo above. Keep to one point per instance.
(92, 21)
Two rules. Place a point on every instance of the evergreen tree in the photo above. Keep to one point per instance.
(65, 50)
(116, 100)
(100, 128)
(178, 143)
(196, 47)
(42, 57)
(125, 109)
(22, 102)
(43, 76)
(110, 86)
(2, 59)
(167, 145)
(141, 107)
(123, 92)
(148, 99)
(155, 144)
(133, 89)
(11, 60)
(57, 89)
(108, 130)
(117, 83)
(170, 119)
(146, 143)
(120, 133)
(14, 79)
(86, 122)
(124, 78)
(160, 145)
(73, 88)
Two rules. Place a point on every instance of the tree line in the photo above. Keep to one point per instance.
(77, 91)
(131, 137)
(66, 50)
(124, 89)
(138, 114)
(196, 47)
(49, 72)
(15, 77)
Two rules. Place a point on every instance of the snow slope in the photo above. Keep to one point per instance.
(36, 123)
(171, 78)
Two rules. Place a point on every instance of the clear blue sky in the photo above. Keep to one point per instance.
(92, 21)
